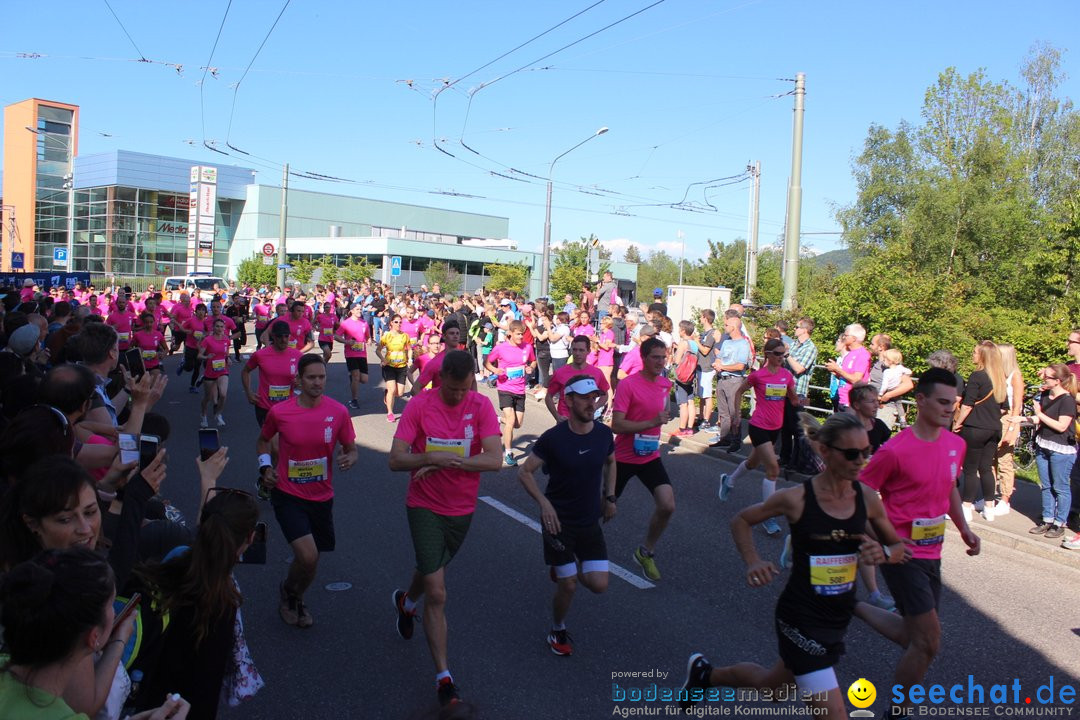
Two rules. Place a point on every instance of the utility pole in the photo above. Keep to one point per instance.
(281, 256)
(682, 252)
(752, 243)
(794, 201)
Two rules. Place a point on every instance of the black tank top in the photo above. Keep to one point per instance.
(825, 556)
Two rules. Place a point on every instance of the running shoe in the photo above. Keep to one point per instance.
(1055, 532)
(304, 619)
(1073, 543)
(192, 390)
(989, 512)
(785, 554)
(220, 420)
(968, 513)
(725, 487)
(648, 565)
(708, 427)
(509, 459)
(771, 526)
(1040, 529)
(1002, 508)
(353, 404)
(560, 642)
(406, 619)
(685, 432)
(736, 445)
(203, 422)
(390, 417)
(288, 608)
(881, 600)
(179, 369)
(448, 692)
(698, 671)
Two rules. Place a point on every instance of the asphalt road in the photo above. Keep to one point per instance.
(1005, 614)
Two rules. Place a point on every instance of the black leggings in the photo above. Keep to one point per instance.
(979, 461)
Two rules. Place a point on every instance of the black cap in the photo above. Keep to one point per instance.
(280, 328)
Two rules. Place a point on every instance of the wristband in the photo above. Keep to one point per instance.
(611, 499)
(265, 461)
(888, 554)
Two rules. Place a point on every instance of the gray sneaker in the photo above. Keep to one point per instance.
(1073, 543)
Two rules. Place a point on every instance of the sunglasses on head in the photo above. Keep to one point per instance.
(219, 490)
(852, 454)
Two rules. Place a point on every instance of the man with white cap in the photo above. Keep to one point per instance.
(579, 455)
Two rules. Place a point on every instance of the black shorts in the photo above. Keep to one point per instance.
(191, 358)
(260, 414)
(915, 585)
(326, 345)
(651, 474)
(510, 400)
(393, 374)
(298, 517)
(804, 646)
(761, 436)
(357, 364)
(577, 543)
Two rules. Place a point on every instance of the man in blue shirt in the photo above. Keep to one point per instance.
(732, 364)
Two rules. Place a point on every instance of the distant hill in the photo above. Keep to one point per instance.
(840, 258)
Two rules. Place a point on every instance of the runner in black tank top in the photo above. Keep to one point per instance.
(828, 517)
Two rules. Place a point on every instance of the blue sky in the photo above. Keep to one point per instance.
(692, 91)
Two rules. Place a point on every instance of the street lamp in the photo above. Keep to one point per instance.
(544, 270)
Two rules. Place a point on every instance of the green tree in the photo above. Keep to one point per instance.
(329, 269)
(658, 271)
(254, 272)
(511, 276)
(632, 254)
(302, 270)
(356, 270)
(440, 273)
(570, 263)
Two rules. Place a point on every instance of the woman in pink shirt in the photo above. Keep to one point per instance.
(150, 342)
(583, 326)
(214, 349)
(772, 384)
(326, 323)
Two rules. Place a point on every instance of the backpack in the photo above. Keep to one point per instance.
(687, 367)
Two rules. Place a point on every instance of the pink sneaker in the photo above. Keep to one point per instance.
(390, 417)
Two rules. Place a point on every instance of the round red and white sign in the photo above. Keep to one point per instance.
(268, 249)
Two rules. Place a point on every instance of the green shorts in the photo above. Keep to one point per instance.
(436, 538)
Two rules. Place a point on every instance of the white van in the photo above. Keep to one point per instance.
(203, 283)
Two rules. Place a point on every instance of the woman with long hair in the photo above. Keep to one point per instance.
(605, 353)
(394, 352)
(1055, 447)
(1010, 427)
(828, 516)
(57, 613)
(979, 423)
(214, 351)
(196, 590)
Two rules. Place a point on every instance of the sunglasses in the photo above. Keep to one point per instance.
(852, 454)
(778, 353)
(219, 490)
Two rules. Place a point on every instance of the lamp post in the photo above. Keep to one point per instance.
(545, 272)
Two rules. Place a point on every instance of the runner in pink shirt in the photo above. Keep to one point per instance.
(631, 361)
(262, 312)
(308, 427)
(639, 413)
(434, 347)
(555, 401)
(353, 333)
(410, 325)
(277, 364)
(773, 384)
(150, 342)
(511, 362)
(299, 328)
(120, 319)
(916, 473)
(326, 323)
(445, 439)
(179, 314)
(214, 351)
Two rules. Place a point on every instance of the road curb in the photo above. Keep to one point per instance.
(986, 531)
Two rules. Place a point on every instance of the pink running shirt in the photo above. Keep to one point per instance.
(217, 362)
(147, 343)
(277, 371)
(306, 439)
(121, 322)
(639, 399)
(429, 424)
(326, 322)
(562, 377)
(916, 479)
(770, 391)
(354, 334)
(511, 360)
(631, 362)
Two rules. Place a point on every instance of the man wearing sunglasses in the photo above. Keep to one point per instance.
(916, 472)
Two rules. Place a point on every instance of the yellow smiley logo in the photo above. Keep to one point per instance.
(862, 693)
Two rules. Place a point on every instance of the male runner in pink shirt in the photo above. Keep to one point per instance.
(511, 362)
(445, 439)
(579, 351)
(277, 364)
(353, 333)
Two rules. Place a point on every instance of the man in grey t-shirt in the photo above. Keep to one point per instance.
(608, 287)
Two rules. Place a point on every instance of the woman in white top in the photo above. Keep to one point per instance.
(1010, 427)
(559, 340)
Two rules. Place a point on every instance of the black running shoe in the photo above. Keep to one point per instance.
(405, 618)
(698, 670)
(448, 692)
(560, 642)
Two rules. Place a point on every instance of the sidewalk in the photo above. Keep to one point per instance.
(1010, 530)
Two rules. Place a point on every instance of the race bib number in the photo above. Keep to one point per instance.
(645, 445)
(356, 346)
(396, 357)
(455, 446)
(123, 336)
(199, 334)
(928, 531)
(832, 574)
(774, 391)
(302, 472)
(217, 364)
(515, 372)
(292, 343)
(149, 354)
(327, 333)
(277, 393)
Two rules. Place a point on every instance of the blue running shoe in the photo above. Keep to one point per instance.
(771, 526)
(725, 487)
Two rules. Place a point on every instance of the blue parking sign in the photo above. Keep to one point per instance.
(59, 256)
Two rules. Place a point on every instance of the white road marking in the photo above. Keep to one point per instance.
(616, 570)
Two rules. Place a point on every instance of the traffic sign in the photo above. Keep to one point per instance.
(395, 266)
(268, 249)
(59, 256)
(17, 262)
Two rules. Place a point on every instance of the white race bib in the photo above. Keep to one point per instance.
(645, 445)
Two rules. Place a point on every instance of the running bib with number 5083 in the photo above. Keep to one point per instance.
(832, 574)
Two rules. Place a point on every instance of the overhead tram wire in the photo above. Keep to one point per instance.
(206, 69)
(236, 88)
(142, 57)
